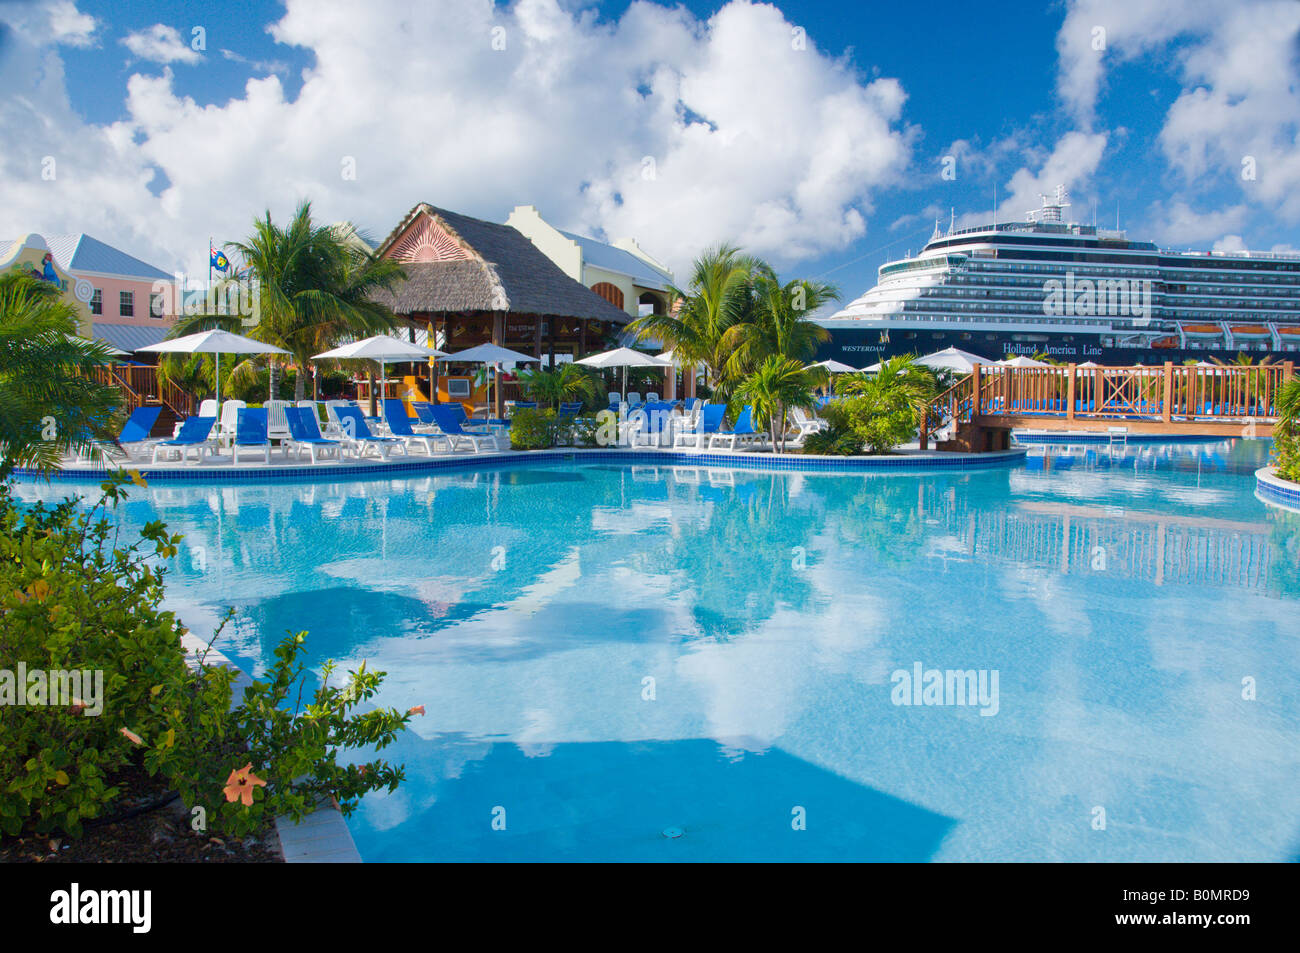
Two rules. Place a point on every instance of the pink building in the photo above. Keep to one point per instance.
(114, 290)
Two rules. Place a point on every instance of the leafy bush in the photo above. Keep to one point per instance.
(870, 423)
(1286, 435)
(838, 438)
(74, 596)
(290, 754)
(583, 431)
(533, 429)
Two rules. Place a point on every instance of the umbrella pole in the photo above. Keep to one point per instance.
(218, 382)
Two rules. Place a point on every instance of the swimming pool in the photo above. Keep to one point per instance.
(680, 663)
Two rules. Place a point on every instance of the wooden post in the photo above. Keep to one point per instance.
(688, 381)
(498, 338)
(1069, 394)
(924, 441)
(975, 409)
(1167, 409)
(537, 339)
(582, 338)
(550, 339)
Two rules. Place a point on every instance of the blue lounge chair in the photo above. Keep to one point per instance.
(399, 423)
(135, 432)
(251, 431)
(709, 422)
(304, 434)
(447, 420)
(742, 431)
(193, 435)
(569, 408)
(358, 436)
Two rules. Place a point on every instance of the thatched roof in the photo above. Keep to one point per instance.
(455, 263)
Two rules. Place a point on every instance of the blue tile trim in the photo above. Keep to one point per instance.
(1083, 436)
(379, 471)
(1270, 488)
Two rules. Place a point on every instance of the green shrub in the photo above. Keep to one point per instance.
(1286, 435)
(875, 423)
(533, 429)
(285, 758)
(837, 438)
(75, 596)
(583, 431)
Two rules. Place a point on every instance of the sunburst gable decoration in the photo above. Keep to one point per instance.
(427, 241)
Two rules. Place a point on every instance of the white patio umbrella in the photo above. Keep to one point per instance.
(1088, 364)
(380, 348)
(835, 367)
(490, 354)
(872, 368)
(216, 343)
(953, 359)
(624, 357)
(1022, 361)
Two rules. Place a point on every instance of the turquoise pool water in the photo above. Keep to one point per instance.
(609, 652)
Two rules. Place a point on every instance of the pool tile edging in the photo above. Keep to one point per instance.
(1273, 490)
(799, 462)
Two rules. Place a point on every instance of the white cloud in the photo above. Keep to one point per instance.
(749, 139)
(57, 22)
(260, 66)
(1179, 224)
(1236, 121)
(1072, 162)
(161, 44)
(1229, 243)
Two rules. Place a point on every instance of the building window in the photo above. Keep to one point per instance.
(126, 304)
(155, 305)
(610, 293)
(97, 302)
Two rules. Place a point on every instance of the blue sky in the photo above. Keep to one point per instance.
(826, 159)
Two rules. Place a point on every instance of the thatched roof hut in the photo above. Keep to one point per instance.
(470, 281)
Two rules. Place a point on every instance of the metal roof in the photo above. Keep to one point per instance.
(81, 252)
(619, 261)
(129, 337)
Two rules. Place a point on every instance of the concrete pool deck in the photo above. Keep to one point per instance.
(281, 468)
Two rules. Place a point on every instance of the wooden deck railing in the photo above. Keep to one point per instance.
(1179, 396)
(1169, 393)
(140, 386)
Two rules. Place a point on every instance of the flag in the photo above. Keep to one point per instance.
(218, 260)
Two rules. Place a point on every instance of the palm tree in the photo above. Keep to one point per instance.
(317, 288)
(778, 323)
(775, 386)
(900, 379)
(1288, 406)
(718, 296)
(566, 382)
(49, 402)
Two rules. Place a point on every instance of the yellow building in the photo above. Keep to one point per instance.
(33, 256)
(622, 273)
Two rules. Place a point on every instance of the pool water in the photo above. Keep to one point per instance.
(687, 663)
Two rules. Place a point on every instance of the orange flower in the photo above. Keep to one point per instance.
(132, 737)
(240, 784)
(417, 710)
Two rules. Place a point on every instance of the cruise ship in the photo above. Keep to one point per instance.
(1076, 293)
